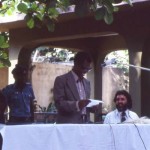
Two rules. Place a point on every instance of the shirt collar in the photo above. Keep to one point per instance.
(118, 113)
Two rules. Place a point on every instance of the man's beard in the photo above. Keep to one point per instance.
(122, 108)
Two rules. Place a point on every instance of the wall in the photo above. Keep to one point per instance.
(3, 77)
(43, 77)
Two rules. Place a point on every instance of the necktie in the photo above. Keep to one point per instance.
(123, 116)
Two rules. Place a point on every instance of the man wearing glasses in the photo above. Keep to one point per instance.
(122, 112)
(72, 91)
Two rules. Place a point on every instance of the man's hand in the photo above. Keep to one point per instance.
(83, 103)
(95, 108)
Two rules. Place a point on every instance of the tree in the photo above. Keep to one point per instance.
(39, 13)
(4, 60)
(52, 55)
(118, 59)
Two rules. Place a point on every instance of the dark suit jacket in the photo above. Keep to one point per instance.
(65, 97)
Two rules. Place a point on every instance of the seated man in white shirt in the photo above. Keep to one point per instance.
(122, 112)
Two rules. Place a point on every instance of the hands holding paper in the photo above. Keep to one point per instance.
(83, 103)
(94, 105)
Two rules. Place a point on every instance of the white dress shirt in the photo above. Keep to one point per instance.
(114, 117)
(81, 91)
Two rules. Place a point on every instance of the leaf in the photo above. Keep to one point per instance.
(53, 13)
(38, 23)
(108, 18)
(65, 3)
(30, 23)
(4, 60)
(109, 6)
(26, 0)
(5, 45)
(116, 9)
(100, 13)
(51, 26)
(22, 7)
(2, 40)
(34, 6)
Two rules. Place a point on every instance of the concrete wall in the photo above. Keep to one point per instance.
(43, 77)
(3, 77)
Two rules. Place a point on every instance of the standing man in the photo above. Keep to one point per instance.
(72, 91)
(122, 112)
(19, 97)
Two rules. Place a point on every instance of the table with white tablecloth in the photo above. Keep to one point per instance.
(76, 137)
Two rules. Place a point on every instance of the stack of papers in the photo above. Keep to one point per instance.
(94, 102)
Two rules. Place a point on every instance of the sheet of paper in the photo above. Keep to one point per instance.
(94, 102)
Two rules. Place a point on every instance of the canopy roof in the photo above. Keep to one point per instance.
(17, 20)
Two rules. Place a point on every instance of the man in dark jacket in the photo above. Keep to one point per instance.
(72, 91)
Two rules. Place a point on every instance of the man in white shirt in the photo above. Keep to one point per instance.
(122, 112)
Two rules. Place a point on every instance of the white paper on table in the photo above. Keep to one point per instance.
(94, 102)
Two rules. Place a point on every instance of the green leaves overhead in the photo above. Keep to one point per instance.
(39, 13)
(4, 60)
(100, 13)
(37, 10)
(108, 18)
(22, 7)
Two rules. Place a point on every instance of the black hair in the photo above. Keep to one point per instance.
(19, 70)
(80, 57)
(127, 95)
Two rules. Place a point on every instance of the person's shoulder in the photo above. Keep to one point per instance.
(111, 113)
(132, 112)
(10, 86)
(65, 75)
(8, 89)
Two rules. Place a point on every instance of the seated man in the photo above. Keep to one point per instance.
(18, 97)
(122, 112)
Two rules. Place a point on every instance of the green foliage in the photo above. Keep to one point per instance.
(52, 55)
(4, 60)
(41, 13)
(122, 59)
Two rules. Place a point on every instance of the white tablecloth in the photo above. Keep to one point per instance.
(76, 137)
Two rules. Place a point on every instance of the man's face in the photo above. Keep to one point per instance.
(20, 79)
(121, 102)
(82, 69)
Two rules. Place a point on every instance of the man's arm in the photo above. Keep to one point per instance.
(32, 110)
(32, 103)
(63, 96)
